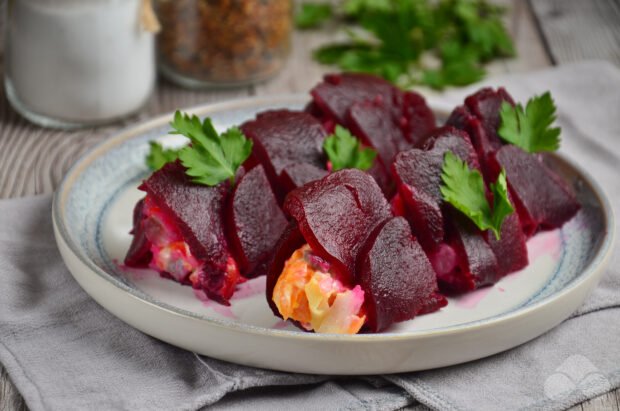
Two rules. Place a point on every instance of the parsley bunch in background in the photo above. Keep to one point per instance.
(408, 42)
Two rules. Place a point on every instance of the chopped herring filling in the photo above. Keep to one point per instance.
(172, 256)
(307, 293)
(170, 253)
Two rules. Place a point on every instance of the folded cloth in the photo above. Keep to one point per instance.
(64, 352)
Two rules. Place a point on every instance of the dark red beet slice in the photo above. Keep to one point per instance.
(418, 175)
(379, 172)
(371, 121)
(312, 109)
(336, 95)
(379, 114)
(290, 241)
(139, 254)
(415, 118)
(510, 250)
(477, 265)
(459, 117)
(338, 92)
(337, 214)
(462, 119)
(198, 213)
(397, 206)
(282, 138)
(329, 124)
(396, 276)
(541, 198)
(446, 139)
(485, 104)
(255, 222)
(296, 175)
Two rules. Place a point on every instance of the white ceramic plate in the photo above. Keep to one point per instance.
(92, 219)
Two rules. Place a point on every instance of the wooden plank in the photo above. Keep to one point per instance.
(578, 30)
(605, 402)
(530, 52)
(10, 400)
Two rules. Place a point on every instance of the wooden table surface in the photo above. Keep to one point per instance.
(546, 32)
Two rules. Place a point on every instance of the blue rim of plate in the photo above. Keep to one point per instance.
(603, 252)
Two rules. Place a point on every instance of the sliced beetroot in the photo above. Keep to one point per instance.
(396, 276)
(423, 207)
(290, 241)
(415, 117)
(485, 104)
(476, 264)
(329, 124)
(510, 250)
(381, 175)
(371, 121)
(337, 214)
(459, 117)
(335, 95)
(542, 199)
(296, 175)
(418, 176)
(139, 254)
(397, 206)
(198, 213)
(446, 139)
(283, 138)
(462, 119)
(313, 109)
(255, 222)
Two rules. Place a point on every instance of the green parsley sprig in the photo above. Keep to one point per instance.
(311, 15)
(437, 43)
(211, 158)
(344, 151)
(530, 129)
(159, 156)
(464, 189)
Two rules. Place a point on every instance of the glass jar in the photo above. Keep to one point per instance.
(211, 43)
(72, 63)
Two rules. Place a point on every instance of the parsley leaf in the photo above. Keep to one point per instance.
(344, 151)
(354, 7)
(464, 189)
(457, 73)
(502, 207)
(211, 158)
(482, 28)
(436, 43)
(159, 156)
(311, 15)
(530, 129)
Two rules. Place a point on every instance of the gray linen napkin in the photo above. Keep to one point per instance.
(65, 352)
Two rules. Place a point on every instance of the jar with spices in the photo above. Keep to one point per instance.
(210, 43)
(72, 63)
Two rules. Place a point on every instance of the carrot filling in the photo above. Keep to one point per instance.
(307, 293)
